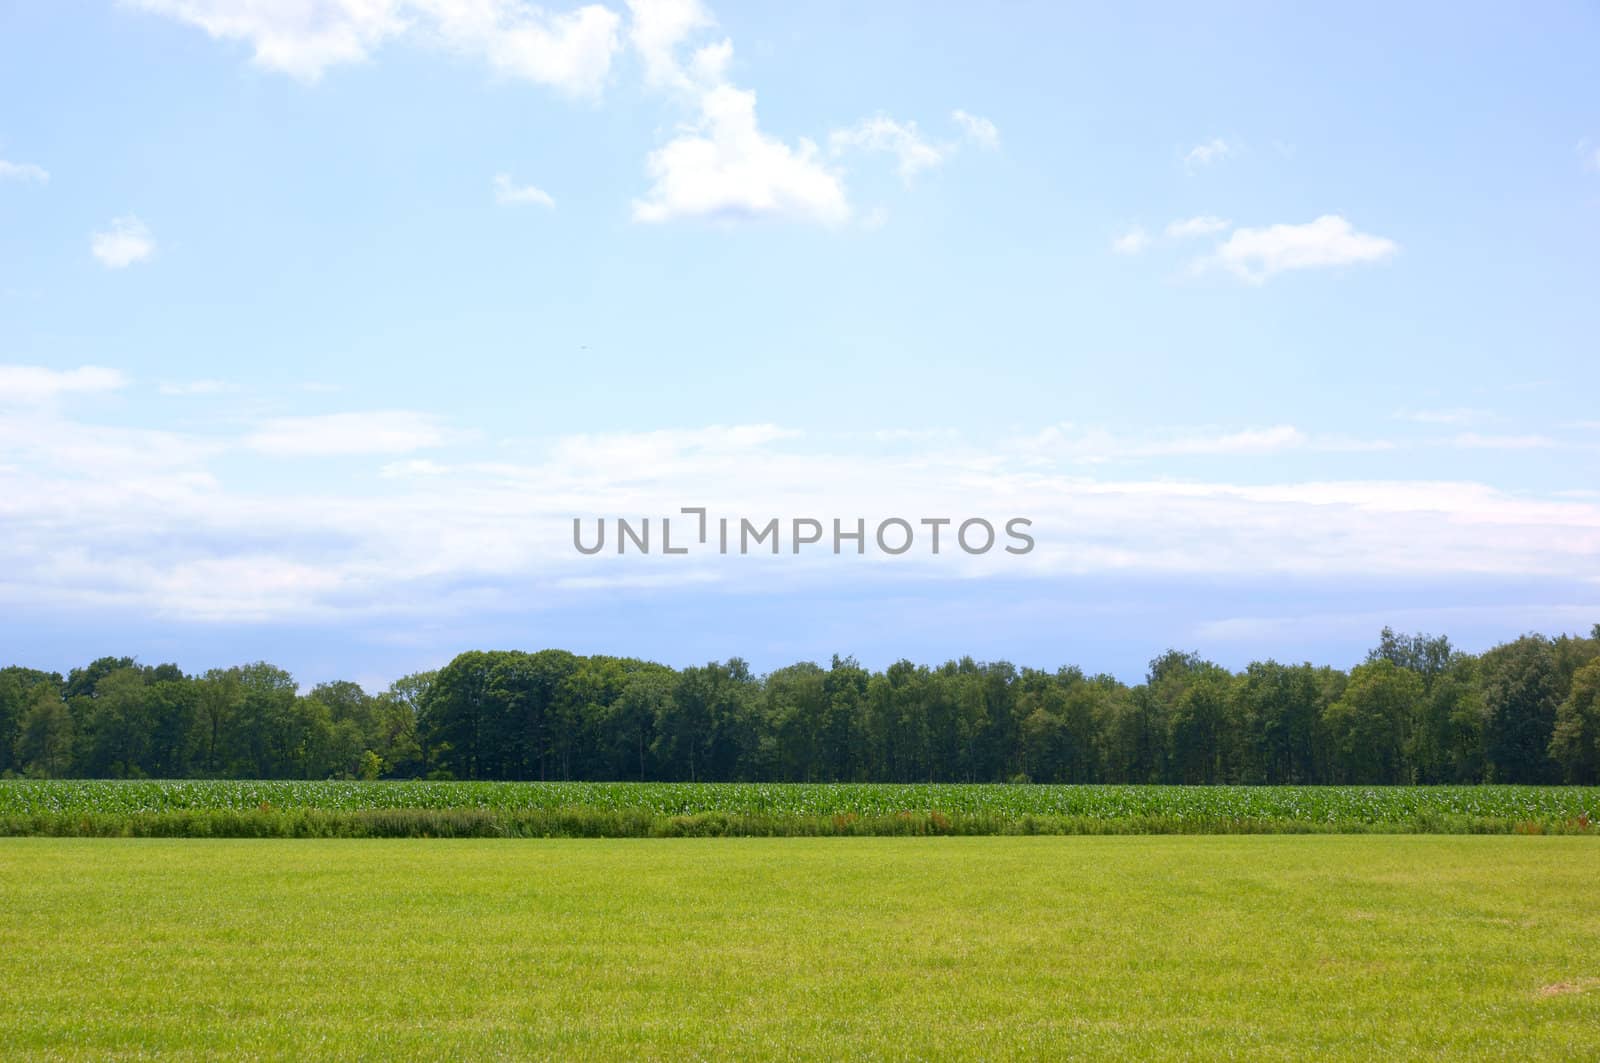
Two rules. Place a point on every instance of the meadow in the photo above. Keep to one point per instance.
(1135, 947)
(497, 809)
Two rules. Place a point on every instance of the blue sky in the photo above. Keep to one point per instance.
(320, 321)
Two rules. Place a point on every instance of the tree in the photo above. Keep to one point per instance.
(1416, 710)
(1278, 708)
(584, 701)
(220, 699)
(177, 731)
(347, 701)
(397, 730)
(1369, 723)
(271, 733)
(371, 766)
(631, 719)
(455, 715)
(44, 741)
(707, 732)
(1575, 742)
(17, 692)
(1200, 728)
(81, 682)
(114, 724)
(795, 709)
(1521, 690)
(843, 724)
(1134, 737)
(530, 698)
(1426, 655)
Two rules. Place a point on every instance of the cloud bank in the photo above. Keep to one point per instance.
(167, 522)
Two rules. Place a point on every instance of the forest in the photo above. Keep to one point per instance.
(1415, 711)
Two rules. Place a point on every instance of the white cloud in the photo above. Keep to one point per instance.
(913, 152)
(657, 28)
(198, 387)
(137, 519)
(902, 140)
(659, 453)
(727, 168)
(32, 384)
(709, 65)
(721, 164)
(979, 130)
(304, 38)
(1361, 624)
(396, 470)
(1477, 441)
(509, 195)
(61, 453)
(1460, 415)
(570, 52)
(1213, 150)
(1251, 441)
(1076, 445)
(1131, 242)
(1257, 254)
(23, 171)
(1066, 442)
(1200, 225)
(127, 241)
(346, 434)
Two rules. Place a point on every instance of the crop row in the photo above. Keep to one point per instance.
(1371, 805)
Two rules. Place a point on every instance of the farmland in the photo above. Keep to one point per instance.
(1143, 947)
(278, 808)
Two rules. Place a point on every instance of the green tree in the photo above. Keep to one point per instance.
(177, 733)
(219, 697)
(794, 711)
(1134, 737)
(114, 724)
(17, 693)
(456, 717)
(707, 732)
(398, 738)
(370, 767)
(347, 701)
(631, 720)
(1428, 656)
(81, 682)
(844, 720)
(271, 733)
(1521, 689)
(1278, 710)
(1369, 723)
(44, 740)
(1201, 728)
(1575, 742)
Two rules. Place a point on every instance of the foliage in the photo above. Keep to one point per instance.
(1417, 711)
(272, 808)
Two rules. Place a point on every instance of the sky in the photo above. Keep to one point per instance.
(321, 321)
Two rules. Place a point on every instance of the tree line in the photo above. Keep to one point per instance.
(1415, 711)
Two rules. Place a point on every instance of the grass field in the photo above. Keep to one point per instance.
(486, 809)
(1152, 947)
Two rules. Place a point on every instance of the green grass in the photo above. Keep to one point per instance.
(1208, 947)
(478, 809)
